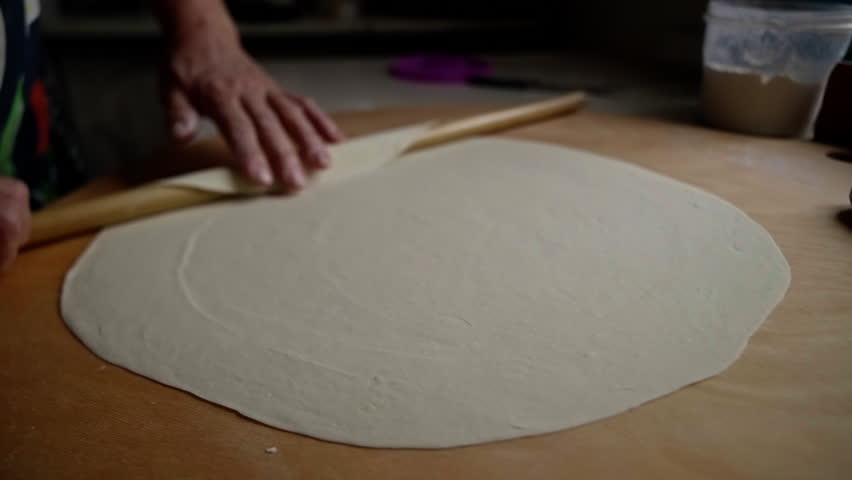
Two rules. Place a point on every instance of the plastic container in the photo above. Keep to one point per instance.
(766, 63)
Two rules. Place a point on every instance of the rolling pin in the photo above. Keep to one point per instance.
(84, 216)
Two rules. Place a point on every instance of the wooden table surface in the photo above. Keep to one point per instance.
(783, 410)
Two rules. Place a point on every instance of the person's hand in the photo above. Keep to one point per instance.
(275, 136)
(14, 219)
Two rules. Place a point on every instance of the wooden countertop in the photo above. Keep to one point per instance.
(783, 410)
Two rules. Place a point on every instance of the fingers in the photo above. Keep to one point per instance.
(239, 132)
(271, 136)
(321, 122)
(183, 119)
(14, 219)
(311, 146)
(275, 138)
(281, 154)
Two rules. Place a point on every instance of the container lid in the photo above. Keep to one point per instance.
(791, 15)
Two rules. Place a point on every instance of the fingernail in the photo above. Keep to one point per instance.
(179, 128)
(263, 175)
(298, 177)
(184, 125)
(322, 158)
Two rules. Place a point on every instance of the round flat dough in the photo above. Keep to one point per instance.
(479, 291)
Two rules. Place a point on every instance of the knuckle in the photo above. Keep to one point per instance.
(248, 159)
(247, 153)
(312, 142)
(13, 188)
(20, 191)
(9, 225)
(290, 109)
(252, 162)
(284, 152)
(254, 83)
(238, 133)
(312, 145)
(266, 120)
(221, 87)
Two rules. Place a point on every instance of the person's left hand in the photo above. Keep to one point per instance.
(275, 136)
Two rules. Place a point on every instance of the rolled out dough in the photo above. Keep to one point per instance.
(478, 291)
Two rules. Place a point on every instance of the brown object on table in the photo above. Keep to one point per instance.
(783, 410)
(85, 216)
(834, 123)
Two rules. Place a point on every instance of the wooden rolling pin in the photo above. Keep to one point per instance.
(84, 216)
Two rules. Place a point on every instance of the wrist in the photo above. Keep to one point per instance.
(192, 22)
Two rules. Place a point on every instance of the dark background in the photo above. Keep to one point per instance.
(636, 57)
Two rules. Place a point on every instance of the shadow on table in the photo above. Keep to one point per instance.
(845, 218)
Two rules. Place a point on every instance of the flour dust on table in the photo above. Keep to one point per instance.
(479, 291)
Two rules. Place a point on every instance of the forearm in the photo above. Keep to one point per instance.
(186, 20)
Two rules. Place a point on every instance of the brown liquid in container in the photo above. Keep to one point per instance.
(756, 104)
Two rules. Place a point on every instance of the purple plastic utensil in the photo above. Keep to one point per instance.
(439, 68)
